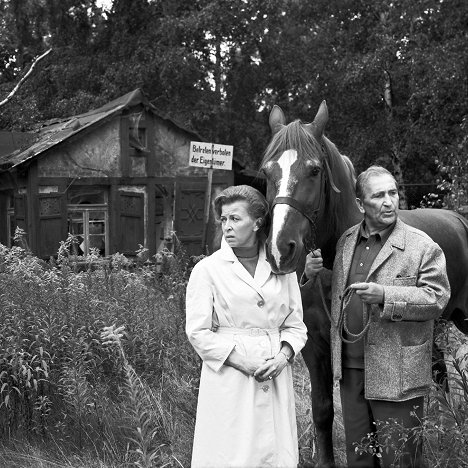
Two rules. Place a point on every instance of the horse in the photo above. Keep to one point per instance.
(311, 191)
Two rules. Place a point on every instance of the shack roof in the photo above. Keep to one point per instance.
(11, 141)
(56, 131)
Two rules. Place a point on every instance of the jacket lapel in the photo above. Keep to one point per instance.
(396, 239)
(262, 272)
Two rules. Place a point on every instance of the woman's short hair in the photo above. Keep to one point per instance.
(257, 204)
(363, 177)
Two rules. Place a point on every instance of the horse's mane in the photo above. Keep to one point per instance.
(295, 136)
(339, 204)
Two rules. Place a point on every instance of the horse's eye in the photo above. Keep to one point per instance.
(264, 172)
(315, 171)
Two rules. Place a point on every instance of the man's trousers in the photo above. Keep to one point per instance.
(363, 417)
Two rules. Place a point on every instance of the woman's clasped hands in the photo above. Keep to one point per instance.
(271, 368)
(260, 368)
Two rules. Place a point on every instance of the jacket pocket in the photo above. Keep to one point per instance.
(382, 372)
(405, 281)
(416, 367)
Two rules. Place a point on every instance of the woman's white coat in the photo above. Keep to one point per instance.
(241, 422)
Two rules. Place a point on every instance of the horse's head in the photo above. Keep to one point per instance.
(298, 165)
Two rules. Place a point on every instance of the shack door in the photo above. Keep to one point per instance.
(20, 218)
(188, 216)
(52, 226)
(189, 206)
(131, 223)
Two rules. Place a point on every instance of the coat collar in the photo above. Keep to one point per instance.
(396, 239)
(262, 272)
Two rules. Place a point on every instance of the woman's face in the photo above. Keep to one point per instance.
(239, 228)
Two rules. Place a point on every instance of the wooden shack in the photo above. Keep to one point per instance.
(117, 178)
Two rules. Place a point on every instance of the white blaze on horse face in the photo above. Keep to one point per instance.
(287, 159)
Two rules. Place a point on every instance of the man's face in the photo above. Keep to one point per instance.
(379, 203)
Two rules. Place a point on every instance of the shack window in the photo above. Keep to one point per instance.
(88, 220)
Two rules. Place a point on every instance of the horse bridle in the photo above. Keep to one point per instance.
(310, 213)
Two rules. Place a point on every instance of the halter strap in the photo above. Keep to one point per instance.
(298, 206)
(310, 213)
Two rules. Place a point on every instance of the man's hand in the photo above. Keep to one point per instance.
(371, 293)
(314, 264)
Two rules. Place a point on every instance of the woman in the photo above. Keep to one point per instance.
(246, 324)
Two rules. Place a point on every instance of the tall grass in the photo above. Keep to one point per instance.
(61, 387)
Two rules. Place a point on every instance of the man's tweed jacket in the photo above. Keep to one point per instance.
(398, 345)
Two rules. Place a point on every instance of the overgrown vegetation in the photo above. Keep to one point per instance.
(60, 384)
(95, 367)
(96, 371)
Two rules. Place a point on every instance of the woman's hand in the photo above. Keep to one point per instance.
(252, 364)
(272, 368)
(246, 364)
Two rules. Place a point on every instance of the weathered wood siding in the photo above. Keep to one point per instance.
(93, 153)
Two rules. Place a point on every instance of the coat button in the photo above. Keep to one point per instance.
(261, 303)
(265, 388)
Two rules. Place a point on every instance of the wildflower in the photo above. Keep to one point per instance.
(112, 335)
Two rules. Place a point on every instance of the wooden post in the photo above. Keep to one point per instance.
(206, 211)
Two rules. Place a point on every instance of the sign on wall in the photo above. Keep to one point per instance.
(210, 155)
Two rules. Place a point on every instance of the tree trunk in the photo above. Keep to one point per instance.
(25, 77)
(395, 151)
(218, 85)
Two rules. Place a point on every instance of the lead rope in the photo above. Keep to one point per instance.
(343, 317)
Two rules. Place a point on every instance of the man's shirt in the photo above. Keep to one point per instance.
(367, 249)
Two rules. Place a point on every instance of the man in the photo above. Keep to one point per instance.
(389, 284)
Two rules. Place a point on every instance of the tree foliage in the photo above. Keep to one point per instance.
(394, 74)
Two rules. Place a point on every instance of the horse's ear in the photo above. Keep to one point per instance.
(317, 127)
(277, 119)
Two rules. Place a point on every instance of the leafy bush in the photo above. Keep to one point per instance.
(452, 184)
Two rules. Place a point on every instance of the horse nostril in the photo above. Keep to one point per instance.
(292, 248)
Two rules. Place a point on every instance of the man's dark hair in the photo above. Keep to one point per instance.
(363, 177)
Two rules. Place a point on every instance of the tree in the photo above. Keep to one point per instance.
(394, 74)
